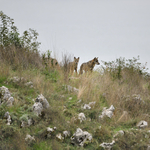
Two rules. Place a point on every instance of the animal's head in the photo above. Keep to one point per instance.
(95, 60)
(76, 60)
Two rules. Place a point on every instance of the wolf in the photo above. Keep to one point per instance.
(51, 62)
(73, 65)
(88, 66)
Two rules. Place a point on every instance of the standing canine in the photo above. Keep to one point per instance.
(73, 65)
(88, 66)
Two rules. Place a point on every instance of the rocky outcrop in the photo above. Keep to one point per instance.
(16, 79)
(107, 112)
(50, 131)
(72, 89)
(29, 139)
(107, 146)
(26, 121)
(40, 104)
(41, 99)
(81, 137)
(8, 118)
(142, 124)
(29, 84)
(81, 117)
(59, 137)
(37, 108)
(89, 106)
(66, 134)
(5, 96)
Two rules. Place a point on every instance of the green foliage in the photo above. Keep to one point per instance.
(2, 110)
(9, 35)
(22, 50)
(2, 79)
(8, 32)
(52, 75)
(133, 66)
(43, 145)
(103, 134)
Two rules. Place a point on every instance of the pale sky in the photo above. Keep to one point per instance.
(107, 29)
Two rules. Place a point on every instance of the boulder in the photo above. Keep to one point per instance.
(5, 96)
(86, 106)
(29, 84)
(72, 89)
(66, 134)
(26, 121)
(37, 108)
(81, 117)
(121, 132)
(41, 99)
(8, 118)
(16, 79)
(107, 146)
(107, 112)
(50, 131)
(40, 104)
(29, 139)
(80, 137)
(59, 137)
(142, 124)
(89, 106)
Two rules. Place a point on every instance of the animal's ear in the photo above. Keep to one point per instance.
(74, 57)
(78, 57)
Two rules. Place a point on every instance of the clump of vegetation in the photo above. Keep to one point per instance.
(122, 83)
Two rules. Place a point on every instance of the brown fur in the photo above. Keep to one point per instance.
(73, 65)
(52, 62)
(88, 66)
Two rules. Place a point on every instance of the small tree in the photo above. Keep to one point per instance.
(133, 66)
(9, 35)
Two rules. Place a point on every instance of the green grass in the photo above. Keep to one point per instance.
(64, 106)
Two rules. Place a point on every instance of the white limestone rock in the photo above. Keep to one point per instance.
(107, 146)
(26, 123)
(148, 147)
(81, 117)
(72, 89)
(29, 139)
(8, 118)
(66, 134)
(5, 96)
(86, 106)
(17, 79)
(37, 108)
(59, 137)
(29, 84)
(107, 112)
(142, 124)
(121, 132)
(80, 137)
(50, 131)
(89, 106)
(41, 99)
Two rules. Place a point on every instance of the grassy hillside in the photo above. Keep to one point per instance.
(121, 83)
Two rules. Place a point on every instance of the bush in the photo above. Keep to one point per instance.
(18, 50)
(128, 66)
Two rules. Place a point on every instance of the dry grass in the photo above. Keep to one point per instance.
(19, 57)
(98, 87)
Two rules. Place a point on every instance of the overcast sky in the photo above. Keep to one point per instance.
(107, 29)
